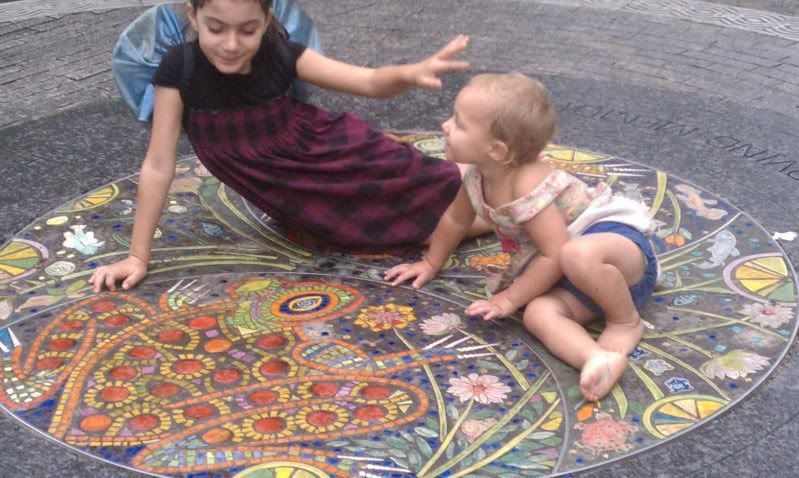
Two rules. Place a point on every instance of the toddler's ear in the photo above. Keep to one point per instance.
(499, 151)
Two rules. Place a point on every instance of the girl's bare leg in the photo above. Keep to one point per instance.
(604, 266)
(557, 319)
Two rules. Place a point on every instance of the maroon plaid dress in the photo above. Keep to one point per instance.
(326, 174)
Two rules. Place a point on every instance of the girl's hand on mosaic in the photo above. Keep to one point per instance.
(421, 270)
(490, 309)
(425, 73)
(130, 271)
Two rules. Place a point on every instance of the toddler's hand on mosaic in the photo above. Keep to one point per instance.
(426, 73)
(422, 271)
(490, 309)
(130, 271)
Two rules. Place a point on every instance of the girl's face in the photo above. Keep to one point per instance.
(230, 33)
(468, 140)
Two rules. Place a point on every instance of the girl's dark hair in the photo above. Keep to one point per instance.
(266, 5)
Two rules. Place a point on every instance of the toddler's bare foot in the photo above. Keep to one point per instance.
(600, 373)
(621, 337)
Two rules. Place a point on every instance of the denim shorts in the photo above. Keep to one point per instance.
(641, 292)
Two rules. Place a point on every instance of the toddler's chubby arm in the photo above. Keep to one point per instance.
(548, 232)
(156, 175)
(450, 231)
(384, 81)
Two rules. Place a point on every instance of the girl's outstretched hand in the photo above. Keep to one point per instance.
(130, 271)
(422, 271)
(426, 73)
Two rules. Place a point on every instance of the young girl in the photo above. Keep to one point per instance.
(329, 175)
(552, 224)
(143, 44)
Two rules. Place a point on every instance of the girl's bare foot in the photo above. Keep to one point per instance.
(621, 337)
(600, 373)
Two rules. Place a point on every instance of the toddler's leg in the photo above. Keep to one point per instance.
(556, 319)
(604, 266)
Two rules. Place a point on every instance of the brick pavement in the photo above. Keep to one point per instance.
(52, 63)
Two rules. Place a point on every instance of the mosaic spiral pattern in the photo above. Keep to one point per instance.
(248, 354)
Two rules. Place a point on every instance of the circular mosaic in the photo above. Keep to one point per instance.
(250, 353)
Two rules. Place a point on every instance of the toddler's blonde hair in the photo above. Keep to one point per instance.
(523, 116)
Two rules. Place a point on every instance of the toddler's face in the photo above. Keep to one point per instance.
(468, 139)
(230, 33)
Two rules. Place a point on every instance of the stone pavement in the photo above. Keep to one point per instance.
(707, 90)
(55, 61)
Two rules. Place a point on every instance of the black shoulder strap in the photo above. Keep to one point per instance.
(282, 46)
(188, 68)
(185, 78)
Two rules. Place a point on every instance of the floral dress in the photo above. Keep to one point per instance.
(580, 205)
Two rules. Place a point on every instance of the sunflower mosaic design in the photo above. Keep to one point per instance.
(249, 352)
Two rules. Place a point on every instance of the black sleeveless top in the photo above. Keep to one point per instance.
(273, 70)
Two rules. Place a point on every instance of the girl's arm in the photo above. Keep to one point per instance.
(548, 232)
(450, 231)
(384, 81)
(156, 175)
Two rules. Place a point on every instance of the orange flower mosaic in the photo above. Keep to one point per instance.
(385, 317)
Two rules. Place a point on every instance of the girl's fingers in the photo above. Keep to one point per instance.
(110, 281)
(420, 281)
(453, 66)
(132, 279)
(398, 278)
(403, 277)
(97, 281)
(394, 271)
(491, 314)
(485, 309)
(403, 272)
(476, 308)
(477, 312)
(431, 83)
(457, 45)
